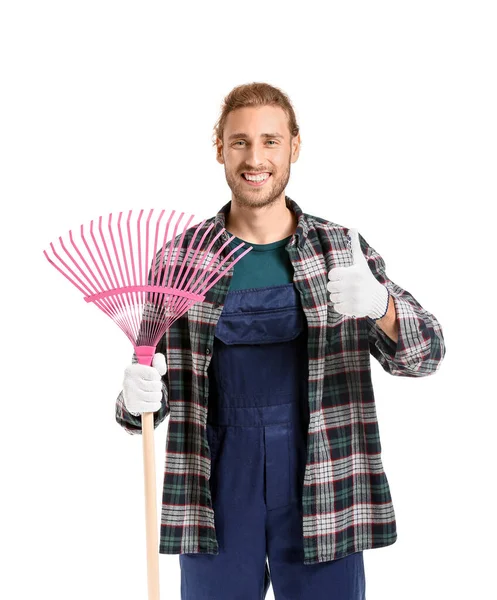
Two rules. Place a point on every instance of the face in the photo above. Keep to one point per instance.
(246, 148)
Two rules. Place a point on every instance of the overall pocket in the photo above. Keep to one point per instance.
(257, 353)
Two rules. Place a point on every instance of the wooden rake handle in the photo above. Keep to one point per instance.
(150, 506)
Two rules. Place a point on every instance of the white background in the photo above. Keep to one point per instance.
(110, 105)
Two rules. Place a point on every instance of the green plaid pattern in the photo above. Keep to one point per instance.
(346, 500)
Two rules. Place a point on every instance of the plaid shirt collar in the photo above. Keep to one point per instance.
(301, 232)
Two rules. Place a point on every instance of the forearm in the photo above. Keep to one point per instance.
(389, 323)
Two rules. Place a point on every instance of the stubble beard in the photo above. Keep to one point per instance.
(257, 197)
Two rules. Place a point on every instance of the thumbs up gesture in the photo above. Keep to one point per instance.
(354, 290)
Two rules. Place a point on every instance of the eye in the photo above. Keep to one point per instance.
(274, 142)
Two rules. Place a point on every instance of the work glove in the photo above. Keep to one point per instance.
(142, 386)
(354, 290)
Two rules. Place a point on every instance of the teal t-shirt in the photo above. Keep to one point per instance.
(263, 266)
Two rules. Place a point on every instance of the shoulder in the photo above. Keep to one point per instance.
(325, 225)
(326, 233)
(327, 230)
(196, 231)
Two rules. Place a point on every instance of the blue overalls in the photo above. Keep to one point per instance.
(257, 430)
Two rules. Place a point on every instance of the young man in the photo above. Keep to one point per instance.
(273, 449)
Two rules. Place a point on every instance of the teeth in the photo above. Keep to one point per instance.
(256, 177)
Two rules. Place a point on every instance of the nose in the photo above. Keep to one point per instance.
(255, 157)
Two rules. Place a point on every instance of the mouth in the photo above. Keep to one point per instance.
(259, 179)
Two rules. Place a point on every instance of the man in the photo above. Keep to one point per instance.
(273, 448)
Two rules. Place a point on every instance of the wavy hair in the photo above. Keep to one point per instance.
(255, 94)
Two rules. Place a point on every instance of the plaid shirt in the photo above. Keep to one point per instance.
(346, 499)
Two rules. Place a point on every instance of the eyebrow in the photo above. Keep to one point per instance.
(263, 135)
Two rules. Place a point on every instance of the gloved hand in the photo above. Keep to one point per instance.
(354, 290)
(142, 386)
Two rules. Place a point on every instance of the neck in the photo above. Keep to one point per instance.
(261, 225)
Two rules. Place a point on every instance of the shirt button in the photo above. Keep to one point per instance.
(208, 351)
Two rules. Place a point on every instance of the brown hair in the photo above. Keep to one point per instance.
(255, 94)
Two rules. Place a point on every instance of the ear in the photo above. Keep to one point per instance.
(295, 147)
(219, 151)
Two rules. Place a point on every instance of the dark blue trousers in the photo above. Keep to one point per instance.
(257, 430)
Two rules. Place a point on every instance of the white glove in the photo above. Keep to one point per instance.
(354, 290)
(142, 386)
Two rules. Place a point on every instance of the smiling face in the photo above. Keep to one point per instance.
(257, 142)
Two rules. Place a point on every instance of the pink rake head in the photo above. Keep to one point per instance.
(129, 272)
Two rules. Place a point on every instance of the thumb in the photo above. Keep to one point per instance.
(159, 363)
(357, 254)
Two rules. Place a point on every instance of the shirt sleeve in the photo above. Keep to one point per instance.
(420, 347)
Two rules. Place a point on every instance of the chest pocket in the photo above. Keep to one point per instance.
(260, 327)
(259, 353)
